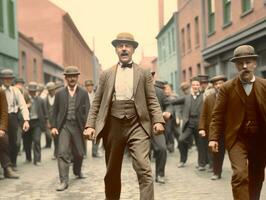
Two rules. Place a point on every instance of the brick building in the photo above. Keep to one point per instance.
(63, 45)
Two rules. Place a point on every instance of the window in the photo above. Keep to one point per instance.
(227, 11)
(1, 16)
(197, 37)
(184, 75)
(211, 16)
(246, 5)
(198, 68)
(183, 41)
(35, 69)
(24, 65)
(11, 18)
(169, 42)
(172, 78)
(173, 39)
(188, 37)
(190, 72)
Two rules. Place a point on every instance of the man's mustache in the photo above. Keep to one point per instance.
(124, 54)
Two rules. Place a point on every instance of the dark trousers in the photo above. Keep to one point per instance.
(32, 138)
(203, 158)
(169, 134)
(4, 152)
(160, 153)
(248, 159)
(48, 138)
(55, 139)
(70, 149)
(120, 133)
(12, 136)
(218, 158)
(95, 147)
(185, 140)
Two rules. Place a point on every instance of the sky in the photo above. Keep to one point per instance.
(101, 20)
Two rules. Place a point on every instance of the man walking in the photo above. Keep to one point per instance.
(240, 114)
(124, 112)
(71, 106)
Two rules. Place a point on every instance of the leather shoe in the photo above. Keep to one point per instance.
(160, 179)
(81, 176)
(9, 173)
(201, 168)
(62, 186)
(215, 177)
(181, 164)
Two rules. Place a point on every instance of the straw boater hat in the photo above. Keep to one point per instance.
(125, 37)
(244, 51)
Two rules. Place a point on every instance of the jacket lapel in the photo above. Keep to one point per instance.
(77, 102)
(239, 89)
(111, 82)
(136, 77)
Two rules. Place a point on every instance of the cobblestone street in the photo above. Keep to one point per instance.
(181, 183)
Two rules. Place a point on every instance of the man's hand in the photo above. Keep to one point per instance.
(89, 133)
(166, 115)
(54, 132)
(158, 128)
(2, 133)
(214, 146)
(26, 126)
(202, 133)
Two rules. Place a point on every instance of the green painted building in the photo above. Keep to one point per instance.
(168, 54)
(8, 35)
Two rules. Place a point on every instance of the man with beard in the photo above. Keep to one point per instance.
(204, 123)
(71, 106)
(125, 112)
(240, 115)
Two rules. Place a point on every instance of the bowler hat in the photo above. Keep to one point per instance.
(19, 80)
(32, 86)
(125, 37)
(7, 73)
(218, 78)
(71, 70)
(203, 78)
(50, 86)
(243, 51)
(88, 82)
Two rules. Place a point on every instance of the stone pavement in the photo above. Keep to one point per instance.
(39, 182)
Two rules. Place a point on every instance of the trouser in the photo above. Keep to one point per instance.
(160, 153)
(70, 149)
(185, 140)
(48, 138)
(4, 152)
(55, 139)
(218, 158)
(95, 147)
(120, 133)
(203, 151)
(248, 160)
(12, 136)
(32, 138)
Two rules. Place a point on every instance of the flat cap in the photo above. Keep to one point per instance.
(218, 78)
(71, 70)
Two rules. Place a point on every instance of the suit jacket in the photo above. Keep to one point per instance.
(186, 100)
(3, 111)
(229, 110)
(205, 116)
(82, 106)
(146, 102)
(41, 111)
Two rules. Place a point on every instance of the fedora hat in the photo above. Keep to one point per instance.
(7, 73)
(243, 51)
(125, 37)
(218, 78)
(32, 86)
(71, 70)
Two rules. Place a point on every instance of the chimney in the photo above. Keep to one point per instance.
(161, 13)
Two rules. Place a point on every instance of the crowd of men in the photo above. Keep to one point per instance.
(201, 116)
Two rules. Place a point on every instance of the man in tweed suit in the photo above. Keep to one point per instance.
(124, 112)
(240, 114)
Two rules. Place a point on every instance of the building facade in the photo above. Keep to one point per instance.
(168, 53)
(62, 42)
(8, 35)
(30, 60)
(229, 24)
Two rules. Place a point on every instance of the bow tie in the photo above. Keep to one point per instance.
(129, 65)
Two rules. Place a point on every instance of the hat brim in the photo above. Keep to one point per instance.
(133, 43)
(234, 59)
(218, 79)
(77, 73)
